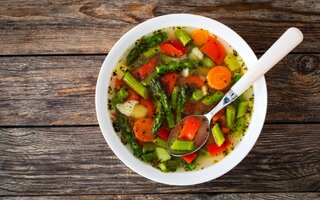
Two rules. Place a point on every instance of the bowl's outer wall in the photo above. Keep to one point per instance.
(124, 154)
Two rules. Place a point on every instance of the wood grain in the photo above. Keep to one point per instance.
(82, 27)
(77, 161)
(59, 90)
(234, 196)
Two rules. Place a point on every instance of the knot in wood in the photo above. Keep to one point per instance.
(307, 64)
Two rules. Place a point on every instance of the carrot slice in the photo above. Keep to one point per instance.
(143, 129)
(190, 128)
(219, 77)
(214, 149)
(149, 105)
(189, 158)
(214, 49)
(133, 95)
(145, 70)
(195, 80)
(169, 80)
(169, 49)
(200, 37)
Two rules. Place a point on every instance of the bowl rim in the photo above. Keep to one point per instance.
(124, 154)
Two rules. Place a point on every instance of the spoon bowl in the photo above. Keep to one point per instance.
(200, 138)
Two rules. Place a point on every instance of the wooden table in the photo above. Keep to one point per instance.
(51, 146)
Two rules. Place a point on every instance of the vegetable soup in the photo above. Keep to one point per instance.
(170, 74)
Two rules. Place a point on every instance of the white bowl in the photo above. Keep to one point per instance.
(123, 153)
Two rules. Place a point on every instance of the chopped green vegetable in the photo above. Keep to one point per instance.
(240, 127)
(120, 96)
(230, 115)
(183, 36)
(148, 157)
(148, 147)
(207, 62)
(236, 78)
(169, 166)
(160, 142)
(162, 154)
(166, 59)
(242, 109)
(232, 62)
(135, 85)
(182, 145)
(241, 124)
(151, 52)
(217, 134)
(213, 98)
(197, 95)
(188, 64)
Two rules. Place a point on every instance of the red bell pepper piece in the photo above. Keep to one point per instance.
(178, 45)
(164, 133)
(195, 80)
(214, 49)
(145, 70)
(169, 80)
(169, 49)
(189, 158)
(190, 128)
(214, 149)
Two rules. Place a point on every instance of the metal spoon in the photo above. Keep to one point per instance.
(286, 43)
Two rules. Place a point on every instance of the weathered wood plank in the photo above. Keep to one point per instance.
(66, 27)
(59, 90)
(75, 161)
(48, 90)
(235, 196)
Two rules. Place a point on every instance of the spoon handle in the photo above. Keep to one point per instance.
(286, 43)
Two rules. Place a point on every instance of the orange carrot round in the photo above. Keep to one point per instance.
(219, 77)
(143, 129)
(200, 37)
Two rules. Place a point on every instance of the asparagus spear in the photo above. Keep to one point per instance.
(181, 103)
(144, 44)
(158, 118)
(122, 124)
(174, 96)
(158, 92)
(176, 66)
